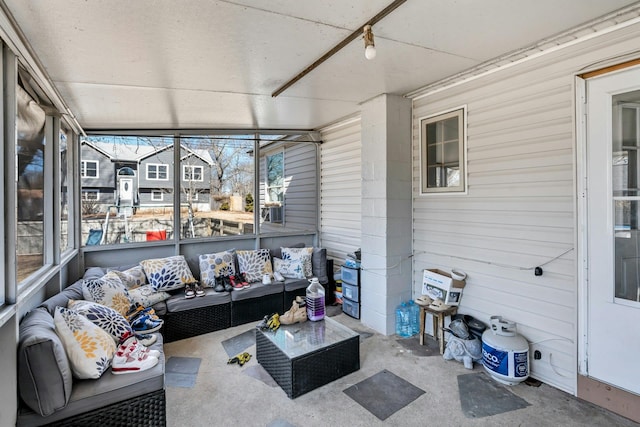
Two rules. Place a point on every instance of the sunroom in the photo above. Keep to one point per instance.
(496, 138)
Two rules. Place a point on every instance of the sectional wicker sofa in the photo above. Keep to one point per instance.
(50, 395)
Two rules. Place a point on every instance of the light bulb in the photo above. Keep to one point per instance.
(370, 52)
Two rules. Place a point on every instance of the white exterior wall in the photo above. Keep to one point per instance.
(341, 188)
(300, 209)
(520, 210)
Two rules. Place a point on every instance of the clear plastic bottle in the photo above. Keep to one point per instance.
(415, 317)
(402, 320)
(315, 300)
(399, 320)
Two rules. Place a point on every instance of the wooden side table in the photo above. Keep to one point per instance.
(438, 323)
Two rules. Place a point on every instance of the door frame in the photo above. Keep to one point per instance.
(582, 254)
(607, 396)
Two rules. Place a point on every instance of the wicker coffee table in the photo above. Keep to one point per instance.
(305, 356)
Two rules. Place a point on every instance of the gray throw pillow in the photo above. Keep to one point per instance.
(319, 264)
(44, 374)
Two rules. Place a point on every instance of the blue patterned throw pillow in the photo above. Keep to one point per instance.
(166, 274)
(105, 317)
(289, 269)
(302, 255)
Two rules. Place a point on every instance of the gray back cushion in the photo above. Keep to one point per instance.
(61, 299)
(44, 375)
(319, 265)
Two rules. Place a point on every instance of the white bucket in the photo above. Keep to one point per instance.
(505, 354)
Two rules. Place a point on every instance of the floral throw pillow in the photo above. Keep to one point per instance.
(146, 296)
(133, 277)
(300, 254)
(166, 274)
(254, 264)
(107, 290)
(289, 269)
(89, 348)
(102, 316)
(216, 265)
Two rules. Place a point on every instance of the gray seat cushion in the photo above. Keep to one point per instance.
(319, 265)
(295, 284)
(178, 302)
(44, 375)
(257, 290)
(90, 394)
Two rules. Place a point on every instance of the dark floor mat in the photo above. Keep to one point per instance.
(238, 344)
(383, 394)
(182, 371)
(430, 347)
(481, 396)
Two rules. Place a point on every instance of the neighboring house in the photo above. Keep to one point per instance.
(150, 171)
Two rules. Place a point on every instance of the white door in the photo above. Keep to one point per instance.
(126, 191)
(613, 229)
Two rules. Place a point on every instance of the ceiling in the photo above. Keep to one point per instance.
(158, 64)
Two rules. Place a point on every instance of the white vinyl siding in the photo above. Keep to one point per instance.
(300, 205)
(520, 210)
(341, 188)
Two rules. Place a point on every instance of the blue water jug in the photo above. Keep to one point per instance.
(402, 320)
(414, 314)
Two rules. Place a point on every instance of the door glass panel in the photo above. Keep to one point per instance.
(624, 169)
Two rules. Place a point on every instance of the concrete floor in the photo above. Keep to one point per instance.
(230, 395)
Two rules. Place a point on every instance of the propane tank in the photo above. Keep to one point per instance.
(505, 354)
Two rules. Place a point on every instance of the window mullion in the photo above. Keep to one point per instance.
(10, 71)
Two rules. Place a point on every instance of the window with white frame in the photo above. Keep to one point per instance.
(157, 195)
(442, 152)
(90, 195)
(192, 173)
(157, 172)
(89, 169)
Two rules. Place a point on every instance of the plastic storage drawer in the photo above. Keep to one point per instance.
(351, 292)
(351, 308)
(349, 275)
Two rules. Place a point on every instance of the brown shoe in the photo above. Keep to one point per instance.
(288, 318)
(300, 315)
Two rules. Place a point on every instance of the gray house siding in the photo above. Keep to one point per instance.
(105, 182)
(163, 157)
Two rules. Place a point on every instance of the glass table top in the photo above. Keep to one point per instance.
(303, 338)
